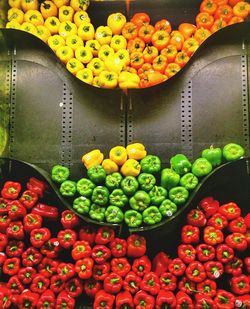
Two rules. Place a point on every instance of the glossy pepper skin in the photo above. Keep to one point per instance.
(47, 300)
(56, 284)
(114, 214)
(146, 181)
(151, 215)
(36, 186)
(214, 269)
(120, 266)
(113, 181)
(209, 206)
(180, 164)
(39, 284)
(201, 167)
(160, 263)
(48, 267)
(85, 187)
(212, 236)
(112, 283)
(136, 151)
(139, 201)
(240, 285)
(190, 234)
(131, 168)
(104, 235)
(151, 164)
(141, 266)
(129, 185)
(169, 178)
(11, 266)
(168, 281)
(186, 285)
(150, 283)
(131, 282)
(11, 190)
(133, 218)
(144, 300)
(218, 221)
(28, 199)
(88, 234)
(196, 218)
(224, 299)
(213, 155)
(92, 158)
(68, 188)
(84, 267)
(136, 246)
(67, 238)
(81, 249)
(183, 301)
(167, 208)
(165, 299)
(14, 248)
(28, 299)
(96, 174)
(230, 211)
(234, 267)
(65, 270)
(189, 181)
(204, 301)
(205, 252)
(90, 286)
(97, 212)
(186, 253)
(207, 287)
(45, 211)
(64, 300)
(157, 195)
(69, 219)
(31, 257)
(224, 253)
(232, 152)
(100, 271)
(15, 230)
(238, 225)
(100, 254)
(178, 195)
(31, 222)
(100, 195)
(59, 173)
(118, 198)
(236, 241)
(104, 300)
(195, 272)
(16, 210)
(177, 267)
(124, 300)
(118, 247)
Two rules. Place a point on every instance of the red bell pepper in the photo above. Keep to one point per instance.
(136, 246)
(247, 236)
(63, 300)
(28, 199)
(190, 234)
(3, 206)
(143, 300)
(4, 223)
(66, 270)
(120, 266)
(104, 235)
(51, 248)
(218, 221)
(240, 284)
(15, 285)
(100, 254)
(165, 299)
(5, 298)
(224, 253)
(236, 241)
(39, 236)
(101, 271)
(177, 267)
(3, 257)
(81, 249)
(246, 219)
(234, 267)
(31, 222)
(195, 272)
(230, 211)
(247, 263)
(132, 283)
(28, 299)
(207, 287)
(212, 236)
(243, 301)
(26, 275)
(238, 225)
(69, 219)
(224, 299)
(36, 186)
(74, 287)
(141, 266)
(204, 301)
(186, 253)
(168, 281)
(205, 252)
(16, 210)
(84, 268)
(214, 269)
(209, 206)
(151, 283)
(11, 266)
(47, 300)
(3, 241)
(56, 284)
(45, 211)
(67, 238)
(124, 300)
(112, 283)
(88, 234)
(11, 190)
(39, 284)
(196, 218)
(160, 263)
(48, 267)
(91, 287)
(118, 247)
(31, 257)
(103, 300)
(15, 230)
(187, 286)
(183, 301)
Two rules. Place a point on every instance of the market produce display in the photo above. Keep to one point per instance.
(131, 186)
(50, 264)
(125, 53)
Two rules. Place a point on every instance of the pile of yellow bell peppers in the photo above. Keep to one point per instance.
(121, 159)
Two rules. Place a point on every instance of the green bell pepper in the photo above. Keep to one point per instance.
(180, 164)
(167, 208)
(85, 187)
(140, 201)
(82, 205)
(201, 167)
(118, 198)
(68, 188)
(169, 178)
(146, 181)
(189, 181)
(129, 185)
(151, 215)
(150, 164)
(178, 195)
(97, 212)
(233, 152)
(133, 218)
(213, 155)
(100, 195)
(96, 174)
(114, 214)
(157, 195)
(113, 181)
(59, 173)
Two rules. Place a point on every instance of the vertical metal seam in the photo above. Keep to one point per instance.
(130, 121)
(12, 105)
(122, 129)
(244, 98)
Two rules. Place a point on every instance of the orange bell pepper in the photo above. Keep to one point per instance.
(118, 154)
(159, 64)
(208, 6)
(160, 39)
(136, 60)
(225, 12)
(172, 69)
(145, 32)
(201, 35)
(187, 30)
(177, 39)
(182, 58)
(140, 19)
(218, 24)
(233, 2)
(129, 31)
(241, 9)
(48, 9)
(170, 52)
(151, 78)
(163, 24)
(235, 20)
(135, 45)
(204, 20)
(190, 46)
(221, 2)
(146, 67)
(150, 53)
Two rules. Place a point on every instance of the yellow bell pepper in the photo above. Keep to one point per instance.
(83, 54)
(136, 151)
(81, 17)
(85, 75)
(27, 5)
(118, 154)
(108, 79)
(74, 41)
(14, 3)
(15, 14)
(65, 53)
(55, 41)
(28, 27)
(66, 13)
(94, 45)
(74, 65)
(114, 64)
(53, 24)
(123, 55)
(103, 35)
(13, 25)
(116, 21)
(67, 28)
(105, 51)
(109, 166)
(96, 82)
(60, 3)
(92, 158)
(118, 42)
(79, 5)
(48, 9)
(131, 168)
(34, 17)
(86, 31)
(128, 80)
(96, 65)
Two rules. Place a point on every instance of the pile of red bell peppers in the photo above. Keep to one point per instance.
(50, 264)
